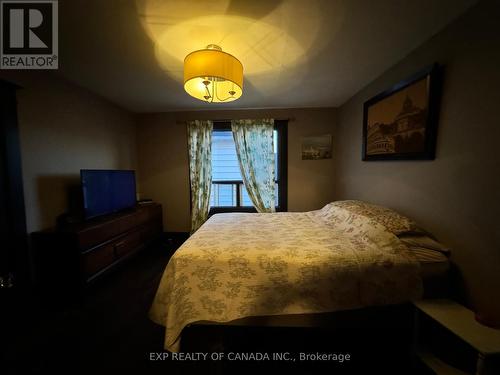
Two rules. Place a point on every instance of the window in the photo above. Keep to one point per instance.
(228, 193)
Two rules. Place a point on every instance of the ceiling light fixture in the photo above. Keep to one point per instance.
(212, 75)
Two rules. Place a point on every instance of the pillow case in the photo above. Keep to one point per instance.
(414, 237)
(418, 242)
(391, 220)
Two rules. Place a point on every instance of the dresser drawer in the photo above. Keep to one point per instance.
(127, 244)
(100, 232)
(97, 259)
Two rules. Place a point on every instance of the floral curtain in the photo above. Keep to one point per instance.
(200, 169)
(255, 149)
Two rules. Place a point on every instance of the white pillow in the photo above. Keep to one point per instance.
(423, 242)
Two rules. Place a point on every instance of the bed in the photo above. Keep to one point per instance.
(347, 255)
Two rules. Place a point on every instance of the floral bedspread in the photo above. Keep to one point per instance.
(238, 265)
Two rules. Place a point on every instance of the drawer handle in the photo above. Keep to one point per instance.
(119, 244)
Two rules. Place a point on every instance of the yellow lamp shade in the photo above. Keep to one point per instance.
(213, 76)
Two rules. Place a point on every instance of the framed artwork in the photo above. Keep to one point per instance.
(316, 148)
(401, 123)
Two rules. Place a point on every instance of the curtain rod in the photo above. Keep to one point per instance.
(229, 120)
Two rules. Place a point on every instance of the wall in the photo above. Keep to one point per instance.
(63, 129)
(456, 196)
(164, 169)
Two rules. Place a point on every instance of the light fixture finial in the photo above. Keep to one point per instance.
(214, 46)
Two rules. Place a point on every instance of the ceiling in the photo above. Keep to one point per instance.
(295, 53)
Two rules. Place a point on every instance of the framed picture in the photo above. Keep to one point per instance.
(318, 147)
(401, 123)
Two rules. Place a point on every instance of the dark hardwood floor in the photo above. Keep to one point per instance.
(108, 332)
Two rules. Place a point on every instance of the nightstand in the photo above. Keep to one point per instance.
(448, 340)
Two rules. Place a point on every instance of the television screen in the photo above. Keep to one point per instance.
(106, 191)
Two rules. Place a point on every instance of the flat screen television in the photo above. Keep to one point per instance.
(107, 191)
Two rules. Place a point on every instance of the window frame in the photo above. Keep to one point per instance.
(281, 178)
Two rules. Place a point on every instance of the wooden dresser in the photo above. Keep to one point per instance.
(78, 254)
